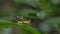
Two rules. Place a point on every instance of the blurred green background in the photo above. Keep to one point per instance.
(44, 15)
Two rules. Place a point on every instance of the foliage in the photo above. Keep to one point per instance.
(46, 10)
(7, 24)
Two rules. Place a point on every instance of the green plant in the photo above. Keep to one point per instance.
(24, 27)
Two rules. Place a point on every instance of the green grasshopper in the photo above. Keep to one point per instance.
(21, 20)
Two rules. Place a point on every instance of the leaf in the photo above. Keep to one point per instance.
(7, 24)
(26, 32)
(34, 31)
(42, 14)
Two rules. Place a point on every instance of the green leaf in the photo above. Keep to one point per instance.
(7, 24)
(34, 31)
(42, 14)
